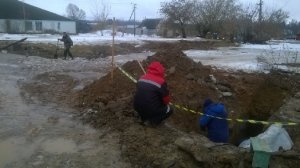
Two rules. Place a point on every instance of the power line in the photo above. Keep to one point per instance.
(134, 9)
(133, 14)
(260, 11)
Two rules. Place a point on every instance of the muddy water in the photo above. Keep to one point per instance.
(35, 134)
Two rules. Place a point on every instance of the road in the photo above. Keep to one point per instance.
(34, 133)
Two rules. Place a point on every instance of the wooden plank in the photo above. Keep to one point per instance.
(14, 43)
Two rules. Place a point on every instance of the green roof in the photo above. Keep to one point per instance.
(14, 9)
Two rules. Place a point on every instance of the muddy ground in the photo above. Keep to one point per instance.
(101, 51)
(254, 96)
(107, 105)
(35, 132)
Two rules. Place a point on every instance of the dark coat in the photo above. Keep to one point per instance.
(67, 41)
(152, 95)
(218, 130)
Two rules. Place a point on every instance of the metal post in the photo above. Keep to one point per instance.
(113, 51)
(260, 11)
(134, 29)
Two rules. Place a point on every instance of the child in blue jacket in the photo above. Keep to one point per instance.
(218, 130)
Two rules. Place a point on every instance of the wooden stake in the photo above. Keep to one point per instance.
(113, 51)
(141, 66)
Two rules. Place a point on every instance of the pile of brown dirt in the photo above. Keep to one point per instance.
(254, 96)
(110, 103)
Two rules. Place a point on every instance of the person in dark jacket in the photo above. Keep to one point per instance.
(67, 43)
(151, 99)
(218, 130)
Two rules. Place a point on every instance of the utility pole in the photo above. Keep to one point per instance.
(24, 12)
(24, 15)
(132, 14)
(260, 32)
(260, 11)
(134, 8)
(113, 50)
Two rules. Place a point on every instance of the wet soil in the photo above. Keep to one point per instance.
(102, 51)
(37, 130)
(106, 104)
(254, 96)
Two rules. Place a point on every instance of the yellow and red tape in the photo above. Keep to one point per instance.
(228, 119)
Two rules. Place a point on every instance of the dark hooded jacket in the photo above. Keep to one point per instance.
(67, 41)
(152, 96)
(218, 130)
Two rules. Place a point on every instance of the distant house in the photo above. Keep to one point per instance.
(149, 26)
(167, 28)
(19, 17)
(129, 29)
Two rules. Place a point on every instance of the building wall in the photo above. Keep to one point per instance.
(138, 31)
(60, 26)
(3, 26)
(15, 26)
(37, 26)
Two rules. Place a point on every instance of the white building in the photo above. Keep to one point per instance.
(19, 17)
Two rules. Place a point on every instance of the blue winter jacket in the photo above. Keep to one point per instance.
(218, 130)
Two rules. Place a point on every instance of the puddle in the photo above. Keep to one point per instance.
(9, 65)
(31, 127)
(59, 146)
(13, 149)
(18, 148)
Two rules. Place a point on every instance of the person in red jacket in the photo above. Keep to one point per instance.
(151, 99)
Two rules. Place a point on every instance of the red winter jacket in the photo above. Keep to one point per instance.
(152, 95)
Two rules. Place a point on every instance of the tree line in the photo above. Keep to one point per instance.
(226, 18)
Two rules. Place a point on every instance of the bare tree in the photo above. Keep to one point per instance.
(100, 11)
(226, 18)
(216, 16)
(293, 27)
(179, 11)
(273, 24)
(260, 29)
(73, 12)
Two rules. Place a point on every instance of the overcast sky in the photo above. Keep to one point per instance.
(121, 9)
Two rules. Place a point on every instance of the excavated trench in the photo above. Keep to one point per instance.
(108, 104)
(254, 96)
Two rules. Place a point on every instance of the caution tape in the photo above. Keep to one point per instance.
(228, 119)
(129, 76)
(237, 120)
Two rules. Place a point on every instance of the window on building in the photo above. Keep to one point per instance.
(58, 26)
(38, 26)
(28, 25)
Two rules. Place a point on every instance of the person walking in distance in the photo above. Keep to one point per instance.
(151, 99)
(68, 43)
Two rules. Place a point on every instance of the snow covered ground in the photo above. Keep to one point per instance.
(248, 57)
(91, 38)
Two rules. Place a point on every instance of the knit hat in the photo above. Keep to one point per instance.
(207, 102)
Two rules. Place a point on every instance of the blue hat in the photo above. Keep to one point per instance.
(207, 102)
